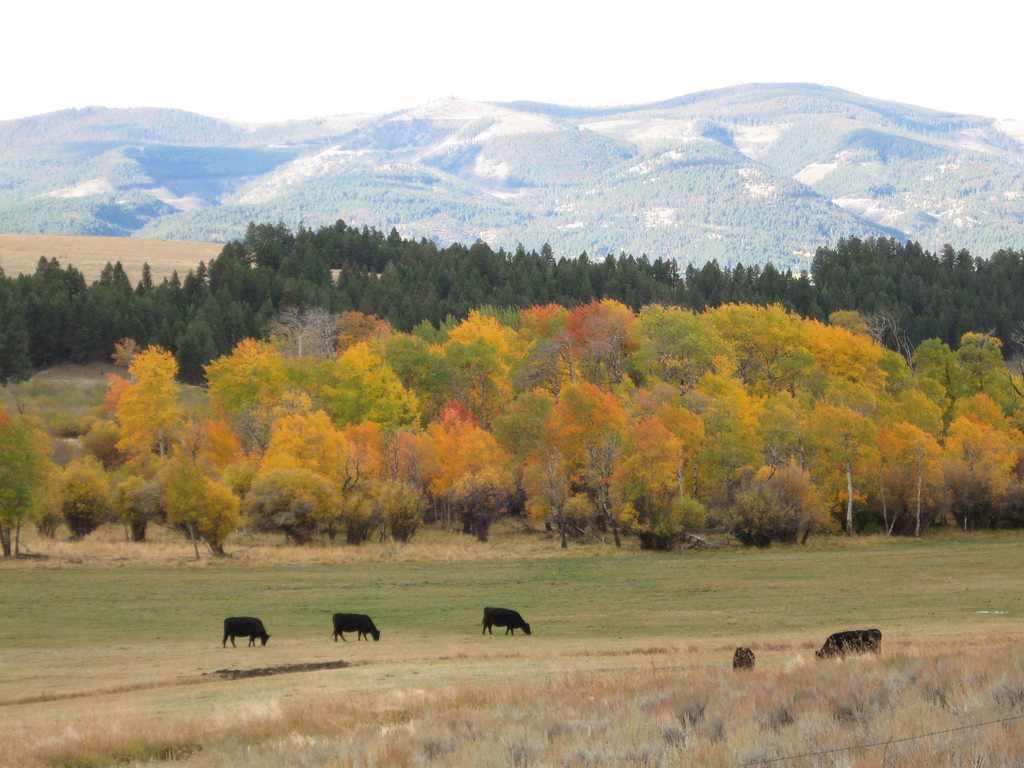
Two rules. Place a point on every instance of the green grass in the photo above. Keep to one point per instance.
(937, 585)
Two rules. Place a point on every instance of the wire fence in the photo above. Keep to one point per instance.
(876, 744)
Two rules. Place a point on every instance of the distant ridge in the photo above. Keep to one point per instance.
(747, 173)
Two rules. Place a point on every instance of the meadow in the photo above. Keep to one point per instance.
(89, 254)
(109, 652)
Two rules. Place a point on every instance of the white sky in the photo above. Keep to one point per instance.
(258, 61)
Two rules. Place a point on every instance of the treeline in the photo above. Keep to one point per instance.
(596, 421)
(52, 316)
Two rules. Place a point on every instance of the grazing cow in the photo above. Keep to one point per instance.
(851, 641)
(354, 622)
(504, 617)
(743, 659)
(244, 626)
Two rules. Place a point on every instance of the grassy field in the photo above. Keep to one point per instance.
(96, 647)
(68, 398)
(19, 254)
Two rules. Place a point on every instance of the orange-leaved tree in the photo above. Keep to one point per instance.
(586, 427)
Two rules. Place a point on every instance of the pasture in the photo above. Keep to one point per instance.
(107, 656)
(89, 254)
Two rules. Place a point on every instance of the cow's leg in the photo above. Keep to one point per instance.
(343, 637)
(224, 642)
(335, 635)
(233, 642)
(486, 627)
(252, 641)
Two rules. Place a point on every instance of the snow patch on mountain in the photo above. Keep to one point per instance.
(502, 121)
(659, 217)
(957, 215)
(658, 161)
(812, 173)
(754, 141)
(869, 208)
(300, 170)
(89, 188)
(1013, 128)
(755, 184)
(490, 168)
(973, 140)
(647, 134)
(181, 202)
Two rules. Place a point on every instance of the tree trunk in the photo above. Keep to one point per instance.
(849, 499)
(17, 539)
(885, 511)
(615, 531)
(561, 528)
(195, 541)
(138, 530)
(917, 523)
(5, 540)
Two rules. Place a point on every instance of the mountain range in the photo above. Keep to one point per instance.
(744, 174)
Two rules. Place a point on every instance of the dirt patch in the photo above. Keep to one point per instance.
(287, 669)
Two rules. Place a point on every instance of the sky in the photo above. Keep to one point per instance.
(257, 62)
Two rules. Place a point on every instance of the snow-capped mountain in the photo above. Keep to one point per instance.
(751, 173)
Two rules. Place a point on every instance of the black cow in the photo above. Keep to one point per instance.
(354, 622)
(244, 626)
(851, 641)
(743, 659)
(504, 617)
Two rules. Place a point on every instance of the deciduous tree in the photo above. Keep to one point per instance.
(24, 467)
(149, 411)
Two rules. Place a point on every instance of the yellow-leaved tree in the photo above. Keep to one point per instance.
(910, 472)
(148, 410)
(204, 508)
(247, 384)
(842, 440)
(362, 387)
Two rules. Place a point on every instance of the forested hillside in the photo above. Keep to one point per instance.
(905, 293)
(752, 173)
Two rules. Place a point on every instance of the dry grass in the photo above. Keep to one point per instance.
(510, 540)
(20, 253)
(106, 652)
(639, 717)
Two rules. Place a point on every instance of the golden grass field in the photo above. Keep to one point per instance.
(107, 650)
(20, 253)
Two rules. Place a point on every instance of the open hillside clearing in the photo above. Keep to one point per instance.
(100, 663)
(89, 254)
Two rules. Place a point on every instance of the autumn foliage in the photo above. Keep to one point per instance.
(596, 422)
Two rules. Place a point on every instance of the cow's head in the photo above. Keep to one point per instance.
(376, 634)
(526, 628)
(264, 639)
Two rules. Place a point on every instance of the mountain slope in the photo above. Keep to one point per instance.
(748, 174)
